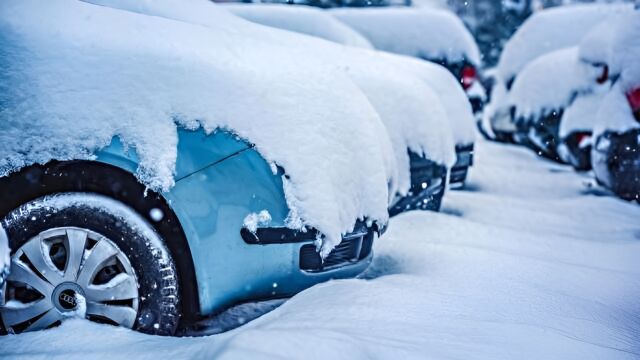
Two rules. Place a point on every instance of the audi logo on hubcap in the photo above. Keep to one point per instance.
(67, 300)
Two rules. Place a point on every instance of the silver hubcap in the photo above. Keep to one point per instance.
(69, 272)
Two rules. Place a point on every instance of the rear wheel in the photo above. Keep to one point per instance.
(86, 255)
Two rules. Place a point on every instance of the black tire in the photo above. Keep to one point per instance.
(158, 288)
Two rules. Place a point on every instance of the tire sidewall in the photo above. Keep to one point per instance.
(155, 272)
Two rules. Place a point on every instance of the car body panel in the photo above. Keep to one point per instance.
(220, 181)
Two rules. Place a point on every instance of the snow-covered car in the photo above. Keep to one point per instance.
(543, 90)
(427, 33)
(140, 162)
(301, 19)
(412, 112)
(616, 144)
(545, 31)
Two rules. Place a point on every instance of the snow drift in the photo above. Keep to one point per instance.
(71, 80)
(301, 19)
(419, 32)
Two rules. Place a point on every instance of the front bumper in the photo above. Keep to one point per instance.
(428, 183)
(544, 135)
(616, 162)
(459, 171)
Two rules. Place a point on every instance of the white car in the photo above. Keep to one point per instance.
(545, 31)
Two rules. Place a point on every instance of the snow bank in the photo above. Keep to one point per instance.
(301, 19)
(550, 30)
(419, 32)
(413, 116)
(73, 75)
(550, 82)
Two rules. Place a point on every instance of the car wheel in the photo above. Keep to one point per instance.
(86, 255)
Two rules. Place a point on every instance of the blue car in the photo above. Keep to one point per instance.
(89, 240)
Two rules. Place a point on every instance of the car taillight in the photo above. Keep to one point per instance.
(633, 97)
(468, 76)
(583, 139)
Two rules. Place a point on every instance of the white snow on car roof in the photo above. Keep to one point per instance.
(550, 82)
(301, 19)
(75, 74)
(419, 32)
(550, 30)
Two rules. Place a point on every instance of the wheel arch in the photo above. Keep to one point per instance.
(114, 180)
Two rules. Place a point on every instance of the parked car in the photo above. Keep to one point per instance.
(616, 145)
(430, 34)
(545, 31)
(413, 114)
(194, 159)
(544, 89)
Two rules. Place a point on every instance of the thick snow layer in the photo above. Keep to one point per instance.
(419, 32)
(550, 30)
(550, 82)
(616, 43)
(530, 264)
(301, 19)
(581, 115)
(74, 74)
(414, 117)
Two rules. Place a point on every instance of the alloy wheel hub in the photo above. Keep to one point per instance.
(66, 272)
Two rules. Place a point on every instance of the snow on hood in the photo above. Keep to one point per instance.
(418, 32)
(452, 96)
(581, 115)
(550, 30)
(301, 19)
(413, 116)
(74, 75)
(550, 82)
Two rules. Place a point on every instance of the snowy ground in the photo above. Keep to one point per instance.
(529, 262)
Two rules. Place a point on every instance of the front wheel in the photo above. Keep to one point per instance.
(86, 255)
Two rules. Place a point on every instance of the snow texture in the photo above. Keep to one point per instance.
(420, 32)
(413, 116)
(550, 30)
(301, 19)
(616, 43)
(255, 220)
(532, 264)
(71, 79)
(550, 82)
(581, 115)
